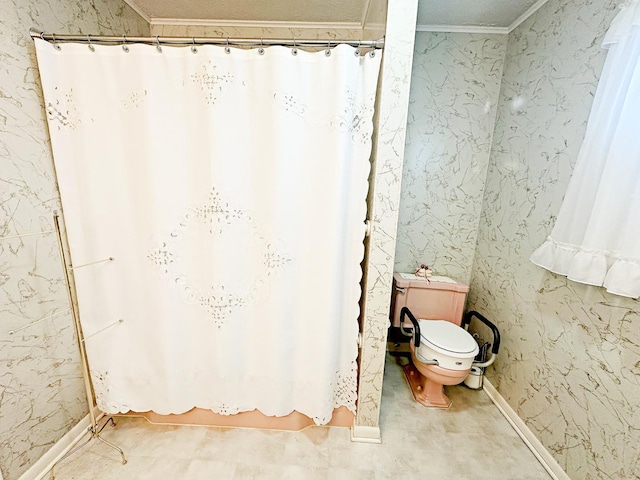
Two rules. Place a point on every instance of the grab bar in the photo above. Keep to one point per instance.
(416, 337)
(466, 321)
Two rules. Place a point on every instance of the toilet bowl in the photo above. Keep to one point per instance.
(443, 351)
(443, 356)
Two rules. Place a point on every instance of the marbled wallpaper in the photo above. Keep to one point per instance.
(255, 32)
(384, 200)
(455, 85)
(41, 388)
(570, 353)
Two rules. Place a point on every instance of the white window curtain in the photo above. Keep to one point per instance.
(230, 189)
(596, 238)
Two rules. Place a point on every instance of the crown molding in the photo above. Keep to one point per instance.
(138, 10)
(193, 22)
(462, 29)
(532, 9)
(331, 26)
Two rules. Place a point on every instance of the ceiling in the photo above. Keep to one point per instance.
(491, 13)
(460, 13)
(296, 11)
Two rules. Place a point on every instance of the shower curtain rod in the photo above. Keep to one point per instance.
(230, 41)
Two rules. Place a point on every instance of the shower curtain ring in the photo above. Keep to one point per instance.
(261, 49)
(55, 44)
(194, 49)
(227, 49)
(158, 47)
(327, 52)
(125, 47)
(294, 50)
(357, 52)
(91, 47)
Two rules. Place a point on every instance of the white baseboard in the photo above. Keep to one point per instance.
(364, 434)
(39, 469)
(527, 436)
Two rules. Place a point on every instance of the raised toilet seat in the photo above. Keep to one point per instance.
(443, 357)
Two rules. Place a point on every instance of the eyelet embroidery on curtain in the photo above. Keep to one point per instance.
(220, 304)
(216, 214)
(357, 119)
(211, 82)
(289, 103)
(345, 393)
(224, 409)
(161, 257)
(345, 388)
(274, 259)
(134, 100)
(100, 381)
(63, 111)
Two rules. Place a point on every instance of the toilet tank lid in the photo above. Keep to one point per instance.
(409, 280)
(448, 338)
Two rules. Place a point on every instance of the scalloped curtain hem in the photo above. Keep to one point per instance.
(319, 421)
(617, 274)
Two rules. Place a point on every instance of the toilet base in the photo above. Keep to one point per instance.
(425, 391)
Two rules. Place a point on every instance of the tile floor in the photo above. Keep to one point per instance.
(471, 440)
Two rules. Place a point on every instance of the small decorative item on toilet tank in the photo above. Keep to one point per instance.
(424, 271)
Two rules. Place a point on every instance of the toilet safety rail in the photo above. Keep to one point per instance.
(416, 334)
(416, 338)
(466, 321)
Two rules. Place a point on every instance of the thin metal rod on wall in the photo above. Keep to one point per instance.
(44, 232)
(12, 332)
(186, 41)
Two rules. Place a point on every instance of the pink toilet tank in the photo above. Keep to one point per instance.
(439, 299)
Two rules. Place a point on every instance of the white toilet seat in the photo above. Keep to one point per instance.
(453, 347)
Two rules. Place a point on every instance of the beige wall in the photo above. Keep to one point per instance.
(570, 352)
(41, 389)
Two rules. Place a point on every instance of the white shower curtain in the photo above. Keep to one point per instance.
(230, 190)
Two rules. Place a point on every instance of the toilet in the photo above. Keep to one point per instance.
(441, 351)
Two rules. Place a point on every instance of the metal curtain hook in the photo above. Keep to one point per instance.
(261, 49)
(227, 49)
(327, 52)
(194, 49)
(91, 47)
(294, 50)
(158, 47)
(55, 44)
(125, 47)
(357, 52)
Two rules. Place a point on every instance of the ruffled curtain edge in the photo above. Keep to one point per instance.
(618, 275)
